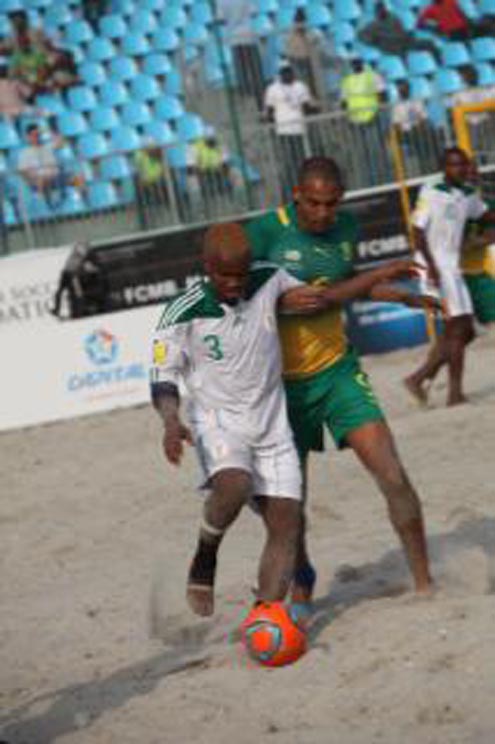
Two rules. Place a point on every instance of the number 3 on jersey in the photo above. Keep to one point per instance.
(214, 345)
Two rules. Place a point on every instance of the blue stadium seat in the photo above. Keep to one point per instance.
(318, 15)
(195, 33)
(455, 54)
(367, 53)
(156, 64)
(100, 49)
(284, 18)
(113, 26)
(168, 108)
(344, 33)
(73, 204)
(50, 102)
(104, 118)
(177, 156)
(437, 113)
(448, 81)
(115, 168)
(9, 217)
(173, 83)
(421, 87)
(144, 88)
(483, 49)
(392, 67)
(486, 73)
(122, 7)
(113, 93)
(421, 63)
(201, 12)
(143, 21)
(57, 17)
(407, 17)
(5, 27)
(92, 73)
(81, 98)
(37, 207)
(79, 32)
(8, 135)
(346, 10)
(92, 145)
(190, 127)
(173, 17)
(102, 195)
(123, 68)
(262, 25)
(486, 7)
(124, 139)
(71, 124)
(153, 5)
(135, 44)
(135, 113)
(267, 6)
(160, 132)
(470, 8)
(165, 40)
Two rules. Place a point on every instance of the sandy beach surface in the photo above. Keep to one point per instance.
(96, 536)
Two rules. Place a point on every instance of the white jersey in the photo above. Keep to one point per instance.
(228, 356)
(442, 211)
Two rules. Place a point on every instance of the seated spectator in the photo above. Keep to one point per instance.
(447, 18)
(387, 33)
(40, 168)
(211, 166)
(30, 66)
(63, 72)
(19, 22)
(310, 53)
(13, 95)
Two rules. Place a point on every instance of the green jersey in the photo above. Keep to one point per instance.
(309, 343)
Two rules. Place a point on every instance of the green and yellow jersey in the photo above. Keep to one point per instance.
(309, 343)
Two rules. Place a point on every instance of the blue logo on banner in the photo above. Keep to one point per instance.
(101, 347)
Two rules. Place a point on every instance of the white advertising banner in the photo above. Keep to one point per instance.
(27, 284)
(54, 370)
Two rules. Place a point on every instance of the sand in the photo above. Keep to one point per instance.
(95, 528)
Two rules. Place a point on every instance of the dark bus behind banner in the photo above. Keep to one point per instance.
(155, 268)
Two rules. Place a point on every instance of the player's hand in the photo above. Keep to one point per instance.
(400, 268)
(173, 437)
(425, 302)
(303, 300)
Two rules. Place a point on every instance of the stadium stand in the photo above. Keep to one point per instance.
(135, 69)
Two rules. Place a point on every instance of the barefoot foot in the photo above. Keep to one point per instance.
(200, 598)
(419, 394)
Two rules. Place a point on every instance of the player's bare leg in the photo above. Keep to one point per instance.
(374, 445)
(460, 332)
(231, 489)
(282, 521)
(418, 383)
(304, 573)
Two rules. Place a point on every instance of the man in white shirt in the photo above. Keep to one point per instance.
(439, 220)
(418, 137)
(287, 103)
(39, 166)
(220, 340)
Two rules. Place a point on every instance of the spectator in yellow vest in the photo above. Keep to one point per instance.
(149, 180)
(362, 93)
(211, 166)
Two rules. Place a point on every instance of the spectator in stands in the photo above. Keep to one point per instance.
(150, 180)
(63, 72)
(287, 102)
(387, 33)
(236, 17)
(311, 54)
(418, 137)
(211, 166)
(40, 168)
(19, 21)
(362, 93)
(30, 66)
(13, 95)
(447, 18)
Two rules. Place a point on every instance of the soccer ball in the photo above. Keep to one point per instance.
(271, 636)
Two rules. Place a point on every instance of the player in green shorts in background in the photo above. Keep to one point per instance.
(314, 240)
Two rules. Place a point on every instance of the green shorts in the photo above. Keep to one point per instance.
(482, 290)
(339, 396)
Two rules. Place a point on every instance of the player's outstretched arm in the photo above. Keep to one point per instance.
(362, 284)
(386, 293)
(166, 401)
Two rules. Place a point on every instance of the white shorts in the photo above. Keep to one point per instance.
(453, 290)
(275, 469)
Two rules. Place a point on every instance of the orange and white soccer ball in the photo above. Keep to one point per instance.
(270, 635)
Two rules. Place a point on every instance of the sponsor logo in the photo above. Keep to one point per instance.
(159, 352)
(102, 350)
(292, 255)
(382, 247)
